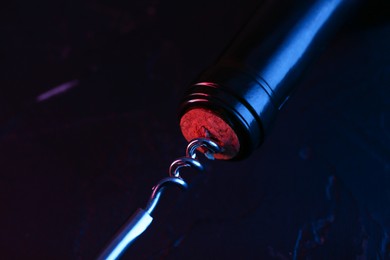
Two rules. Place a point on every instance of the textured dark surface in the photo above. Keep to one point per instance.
(75, 166)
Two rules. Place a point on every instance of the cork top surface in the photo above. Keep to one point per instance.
(201, 122)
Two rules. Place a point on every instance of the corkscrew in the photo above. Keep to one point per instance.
(229, 109)
(142, 218)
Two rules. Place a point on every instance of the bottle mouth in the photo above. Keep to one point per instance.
(211, 111)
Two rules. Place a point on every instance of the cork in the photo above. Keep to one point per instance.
(200, 122)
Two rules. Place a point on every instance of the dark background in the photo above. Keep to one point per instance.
(75, 166)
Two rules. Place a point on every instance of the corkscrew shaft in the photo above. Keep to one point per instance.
(134, 227)
(142, 218)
